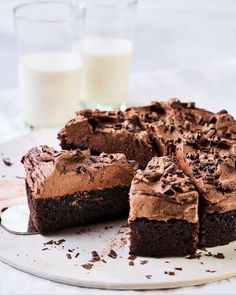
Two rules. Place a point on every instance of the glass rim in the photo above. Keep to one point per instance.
(81, 12)
(117, 4)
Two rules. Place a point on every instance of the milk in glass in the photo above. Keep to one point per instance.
(51, 86)
(106, 70)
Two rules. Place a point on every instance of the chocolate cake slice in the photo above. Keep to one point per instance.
(125, 132)
(163, 211)
(210, 162)
(70, 188)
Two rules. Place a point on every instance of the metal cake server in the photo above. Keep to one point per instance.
(15, 220)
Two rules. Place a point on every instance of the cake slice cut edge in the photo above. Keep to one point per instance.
(163, 211)
(71, 188)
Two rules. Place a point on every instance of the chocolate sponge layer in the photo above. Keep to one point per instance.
(78, 209)
(217, 229)
(160, 238)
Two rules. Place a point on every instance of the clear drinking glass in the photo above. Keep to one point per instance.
(49, 70)
(107, 50)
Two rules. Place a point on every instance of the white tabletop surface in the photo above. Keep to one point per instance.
(184, 49)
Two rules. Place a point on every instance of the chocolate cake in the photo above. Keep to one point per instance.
(184, 196)
(70, 188)
(163, 211)
(210, 161)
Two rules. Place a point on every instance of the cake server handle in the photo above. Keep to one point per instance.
(16, 220)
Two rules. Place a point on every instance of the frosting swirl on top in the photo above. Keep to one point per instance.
(163, 192)
(51, 174)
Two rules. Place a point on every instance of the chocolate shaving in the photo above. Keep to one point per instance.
(112, 254)
(4, 209)
(87, 266)
(95, 256)
(59, 242)
(170, 273)
(149, 277)
(7, 162)
(51, 242)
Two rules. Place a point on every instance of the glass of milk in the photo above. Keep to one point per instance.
(107, 50)
(49, 70)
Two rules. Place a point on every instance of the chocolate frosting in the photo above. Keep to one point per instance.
(163, 192)
(113, 123)
(51, 174)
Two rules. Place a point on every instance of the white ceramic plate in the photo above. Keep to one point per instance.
(59, 262)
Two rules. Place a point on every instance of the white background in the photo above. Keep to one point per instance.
(184, 48)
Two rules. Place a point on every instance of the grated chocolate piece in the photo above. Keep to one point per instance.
(112, 254)
(87, 266)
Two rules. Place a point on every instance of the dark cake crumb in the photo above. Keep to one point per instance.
(178, 268)
(104, 261)
(132, 257)
(131, 263)
(194, 256)
(87, 266)
(170, 273)
(219, 256)
(7, 162)
(68, 255)
(142, 262)
(149, 277)
(208, 254)
(211, 271)
(112, 254)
